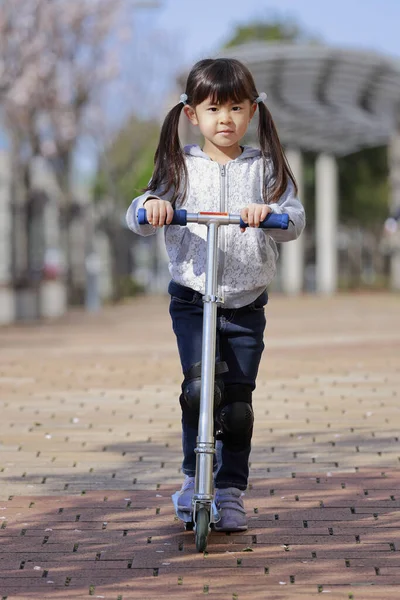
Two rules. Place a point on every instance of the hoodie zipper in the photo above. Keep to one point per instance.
(222, 230)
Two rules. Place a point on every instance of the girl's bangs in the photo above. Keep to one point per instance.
(221, 88)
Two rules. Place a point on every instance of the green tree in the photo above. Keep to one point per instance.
(127, 164)
(364, 187)
(274, 30)
(125, 169)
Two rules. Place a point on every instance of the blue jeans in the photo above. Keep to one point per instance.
(240, 344)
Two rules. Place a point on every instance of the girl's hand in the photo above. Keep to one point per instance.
(159, 212)
(254, 214)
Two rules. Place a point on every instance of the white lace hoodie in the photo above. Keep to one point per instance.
(246, 261)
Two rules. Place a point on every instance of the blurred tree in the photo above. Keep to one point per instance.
(364, 188)
(57, 57)
(272, 30)
(54, 59)
(126, 165)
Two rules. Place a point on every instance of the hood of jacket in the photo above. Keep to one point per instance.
(195, 150)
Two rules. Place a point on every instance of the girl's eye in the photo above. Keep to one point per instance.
(236, 108)
(213, 108)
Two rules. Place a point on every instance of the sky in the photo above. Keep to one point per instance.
(201, 27)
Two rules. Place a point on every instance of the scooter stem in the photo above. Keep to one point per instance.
(205, 441)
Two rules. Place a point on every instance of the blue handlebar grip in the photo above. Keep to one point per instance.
(272, 221)
(180, 217)
(142, 216)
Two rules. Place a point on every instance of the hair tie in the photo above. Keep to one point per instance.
(183, 98)
(261, 98)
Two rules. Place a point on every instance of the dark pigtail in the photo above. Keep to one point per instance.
(170, 173)
(271, 148)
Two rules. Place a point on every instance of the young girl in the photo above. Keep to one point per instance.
(222, 176)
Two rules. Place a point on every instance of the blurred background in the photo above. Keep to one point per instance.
(85, 86)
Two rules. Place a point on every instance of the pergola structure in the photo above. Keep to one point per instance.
(333, 102)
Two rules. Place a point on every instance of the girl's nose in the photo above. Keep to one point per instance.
(224, 116)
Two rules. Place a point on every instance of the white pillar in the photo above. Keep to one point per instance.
(326, 223)
(394, 176)
(292, 253)
(7, 299)
(52, 292)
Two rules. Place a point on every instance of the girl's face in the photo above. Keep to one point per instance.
(222, 125)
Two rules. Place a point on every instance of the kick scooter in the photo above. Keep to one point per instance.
(203, 499)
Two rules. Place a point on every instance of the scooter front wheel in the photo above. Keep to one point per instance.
(202, 528)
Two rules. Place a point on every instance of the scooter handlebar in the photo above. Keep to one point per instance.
(272, 221)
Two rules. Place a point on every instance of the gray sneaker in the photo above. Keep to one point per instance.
(230, 507)
(185, 495)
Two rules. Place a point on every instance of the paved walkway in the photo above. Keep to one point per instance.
(90, 453)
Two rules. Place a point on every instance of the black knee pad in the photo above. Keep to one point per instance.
(235, 419)
(191, 391)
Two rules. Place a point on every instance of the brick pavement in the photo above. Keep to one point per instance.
(90, 453)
